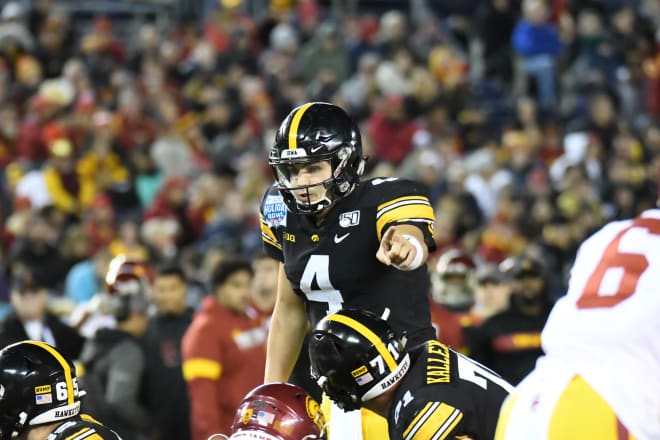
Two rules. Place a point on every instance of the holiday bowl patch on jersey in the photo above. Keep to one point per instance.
(274, 210)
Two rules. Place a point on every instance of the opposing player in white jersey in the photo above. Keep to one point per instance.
(600, 377)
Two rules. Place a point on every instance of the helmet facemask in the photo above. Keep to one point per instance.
(340, 183)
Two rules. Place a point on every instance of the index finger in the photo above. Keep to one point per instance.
(388, 235)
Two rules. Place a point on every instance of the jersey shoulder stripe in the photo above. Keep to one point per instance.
(78, 433)
(268, 236)
(272, 215)
(84, 428)
(380, 192)
(399, 201)
(86, 434)
(435, 421)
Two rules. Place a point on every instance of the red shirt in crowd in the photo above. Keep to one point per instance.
(224, 357)
(450, 326)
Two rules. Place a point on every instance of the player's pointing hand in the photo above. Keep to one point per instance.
(403, 251)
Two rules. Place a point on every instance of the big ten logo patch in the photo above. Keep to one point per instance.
(348, 219)
(314, 412)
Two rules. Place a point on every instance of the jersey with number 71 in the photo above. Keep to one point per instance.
(446, 395)
(607, 327)
(333, 265)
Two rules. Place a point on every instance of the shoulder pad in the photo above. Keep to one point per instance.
(393, 187)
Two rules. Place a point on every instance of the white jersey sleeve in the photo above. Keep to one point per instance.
(607, 327)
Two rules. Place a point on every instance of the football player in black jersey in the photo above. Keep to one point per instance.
(341, 242)
(40, 399)
(429, 392)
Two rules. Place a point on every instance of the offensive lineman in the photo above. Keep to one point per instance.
(40, 399)
(429, 392)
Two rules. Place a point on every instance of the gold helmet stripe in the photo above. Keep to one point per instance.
(65, 366)
(367, 333)
(295, 122)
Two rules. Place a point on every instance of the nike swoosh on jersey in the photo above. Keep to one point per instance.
(340, 238)
(315, 149)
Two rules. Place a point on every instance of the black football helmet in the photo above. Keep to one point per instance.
(356, 356)
(37, 386)
(316, 132)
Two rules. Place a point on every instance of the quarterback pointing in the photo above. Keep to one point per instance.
(341, 242)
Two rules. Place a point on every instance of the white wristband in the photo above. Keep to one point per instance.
(419, 254)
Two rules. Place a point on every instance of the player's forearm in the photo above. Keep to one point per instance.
(285, 339)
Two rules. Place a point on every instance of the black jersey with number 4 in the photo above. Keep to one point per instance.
(333, 265)
(83, 427)
(446, 395)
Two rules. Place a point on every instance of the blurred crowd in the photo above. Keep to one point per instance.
(533, 123)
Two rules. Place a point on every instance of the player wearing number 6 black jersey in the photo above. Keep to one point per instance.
(599, 377)
(427, 393)
(40, 398)
(341, 242)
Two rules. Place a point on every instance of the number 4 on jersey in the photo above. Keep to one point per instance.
(318, 268)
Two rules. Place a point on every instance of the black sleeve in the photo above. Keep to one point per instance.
(401, 201)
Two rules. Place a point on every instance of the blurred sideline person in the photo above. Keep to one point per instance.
(427, 392)
(223, 350)
(341, 243)
(509, 342)
(264, 284)
(30, 318)
(167, 394)
(114, 358)
(491, 292)
(452, 298)
(599, 376)
(264, 287)
(277, 411)
(40, 397)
